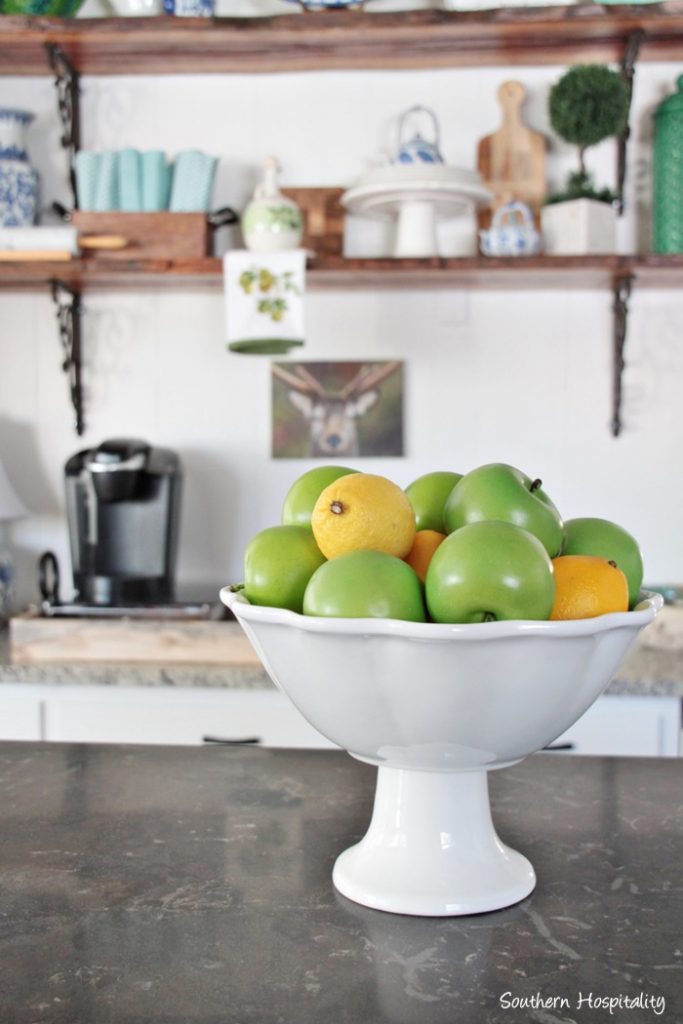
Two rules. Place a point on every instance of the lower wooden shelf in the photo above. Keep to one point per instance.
(477, 272)
(614, 274)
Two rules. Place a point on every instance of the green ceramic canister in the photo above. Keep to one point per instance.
(667, 213)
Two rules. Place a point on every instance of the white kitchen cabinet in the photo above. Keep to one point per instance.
(614, 725)
(628, 726)
(20, 713)
(101, 714)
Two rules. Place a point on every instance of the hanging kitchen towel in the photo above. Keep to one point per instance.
(264, 300)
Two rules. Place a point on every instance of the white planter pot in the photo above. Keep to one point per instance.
(579, 227)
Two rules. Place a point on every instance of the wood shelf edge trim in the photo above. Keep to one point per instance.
(340, 39)
(476, 272)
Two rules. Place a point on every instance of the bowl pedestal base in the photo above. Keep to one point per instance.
(431, 849)
(416, 229)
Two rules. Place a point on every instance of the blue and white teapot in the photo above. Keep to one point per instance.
(417, 149)
(512, 232)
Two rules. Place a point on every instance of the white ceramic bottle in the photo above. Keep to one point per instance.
(271, 221)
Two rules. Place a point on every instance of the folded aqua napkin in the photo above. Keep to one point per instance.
(107, 193)
(156, 180)
(193, 176)
(87, 168)
(130, 180)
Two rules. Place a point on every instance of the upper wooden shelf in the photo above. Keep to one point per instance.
(476, 272)
(343, 39)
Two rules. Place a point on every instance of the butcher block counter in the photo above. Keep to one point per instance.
(192, 886)
(221, 656)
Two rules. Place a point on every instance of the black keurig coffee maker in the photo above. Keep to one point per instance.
(123, 505)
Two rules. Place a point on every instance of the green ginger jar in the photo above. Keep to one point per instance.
(667, 212)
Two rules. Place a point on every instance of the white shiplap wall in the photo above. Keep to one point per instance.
(523, 377)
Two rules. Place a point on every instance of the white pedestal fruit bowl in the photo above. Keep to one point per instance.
(436, 707)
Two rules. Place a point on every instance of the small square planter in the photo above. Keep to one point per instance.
(579, 227)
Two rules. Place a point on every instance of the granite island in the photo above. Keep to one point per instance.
(192, 886)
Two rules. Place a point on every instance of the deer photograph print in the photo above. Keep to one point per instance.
(322, 410)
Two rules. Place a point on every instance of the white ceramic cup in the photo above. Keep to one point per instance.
(137, 8)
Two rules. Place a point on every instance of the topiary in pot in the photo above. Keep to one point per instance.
(588, 104)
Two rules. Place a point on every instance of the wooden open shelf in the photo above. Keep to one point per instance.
(343, 39)
(476, 272)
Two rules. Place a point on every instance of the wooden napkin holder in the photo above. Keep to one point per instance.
(323, 216)
(172, 237)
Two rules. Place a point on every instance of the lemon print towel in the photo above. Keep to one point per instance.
(264, 300)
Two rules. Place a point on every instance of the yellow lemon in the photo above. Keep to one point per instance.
(363, 512)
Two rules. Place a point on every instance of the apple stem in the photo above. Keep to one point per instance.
(337, 508)
(610, 562)
(489, 617)
(535, 485)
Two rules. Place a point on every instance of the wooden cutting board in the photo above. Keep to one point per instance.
(35, 639)
(511, 161)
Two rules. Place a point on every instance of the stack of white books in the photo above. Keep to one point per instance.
(39, 243)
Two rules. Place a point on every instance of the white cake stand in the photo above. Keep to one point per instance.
(436, 707)
(417, 195)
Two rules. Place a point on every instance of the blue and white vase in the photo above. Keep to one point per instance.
(18, 180)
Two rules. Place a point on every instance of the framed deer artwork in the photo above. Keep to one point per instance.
(330, 409)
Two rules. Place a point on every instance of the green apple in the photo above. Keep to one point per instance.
(365, 584)
(278, 564)
(501, 492)
(428, 496)
(606, 540)
(490, 570)
(304, 492)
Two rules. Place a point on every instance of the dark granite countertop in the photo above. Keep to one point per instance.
(145, 885)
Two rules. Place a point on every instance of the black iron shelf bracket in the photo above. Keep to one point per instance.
(69, 312)
(628, 71)
(67, 83)
(621, 294)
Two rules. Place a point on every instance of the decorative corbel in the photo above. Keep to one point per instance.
(621, 293)
(69, 310)
(628, 70)
(67, 82)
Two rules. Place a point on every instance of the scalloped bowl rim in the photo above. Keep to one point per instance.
(644, 612)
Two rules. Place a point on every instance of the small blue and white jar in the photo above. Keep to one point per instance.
(189, 8)
(18, 180)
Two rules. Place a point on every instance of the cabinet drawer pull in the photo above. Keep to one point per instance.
(231, 743)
